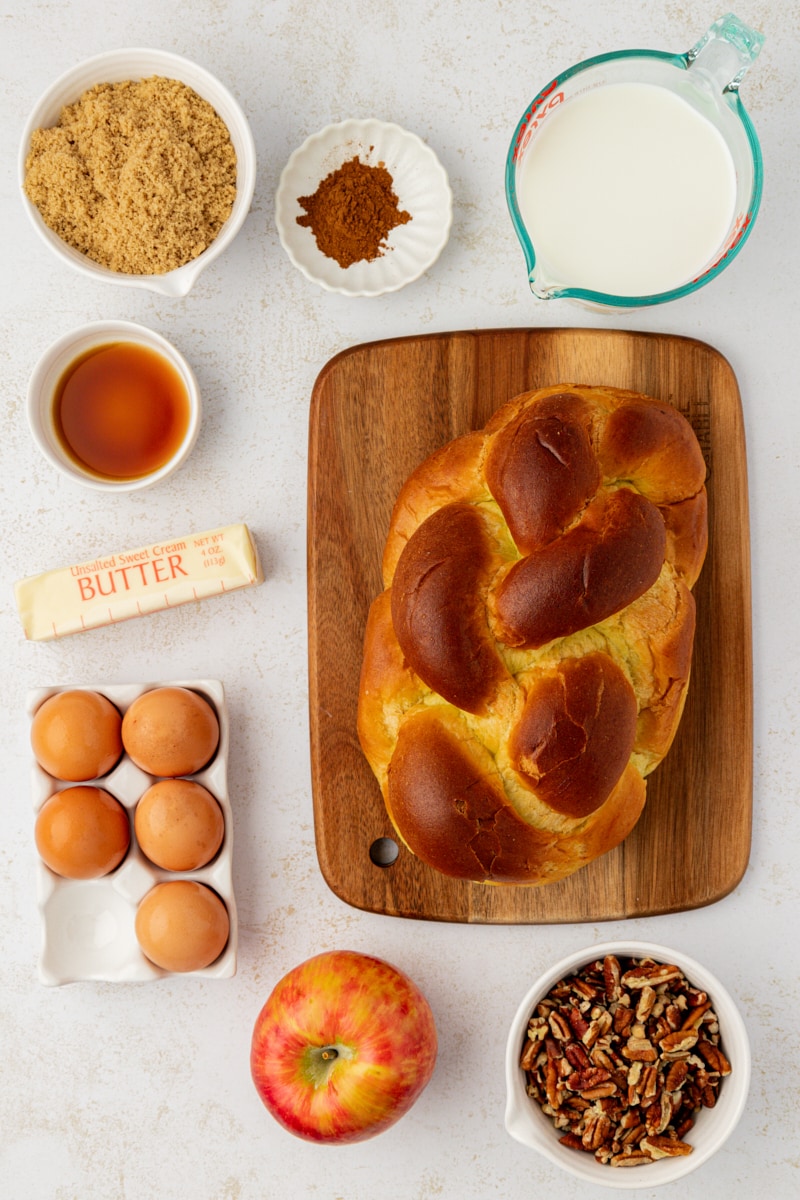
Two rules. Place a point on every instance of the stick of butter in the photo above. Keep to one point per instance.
(137, 582)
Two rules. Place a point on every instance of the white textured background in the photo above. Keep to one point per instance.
(144, 1091)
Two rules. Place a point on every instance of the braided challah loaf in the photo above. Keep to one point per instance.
(527, 665)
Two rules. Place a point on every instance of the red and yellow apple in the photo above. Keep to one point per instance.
(343, 1047)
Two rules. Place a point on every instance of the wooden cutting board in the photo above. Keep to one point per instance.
(377, 410)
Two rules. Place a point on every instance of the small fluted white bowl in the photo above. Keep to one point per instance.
(526, 1122)
(422, 189)
(116, 66)
(51, 367)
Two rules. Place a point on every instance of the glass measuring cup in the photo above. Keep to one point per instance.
(706, 78)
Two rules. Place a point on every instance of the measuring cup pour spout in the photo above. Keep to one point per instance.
(725, 52)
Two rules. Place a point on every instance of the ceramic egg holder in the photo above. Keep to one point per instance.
(88, 924)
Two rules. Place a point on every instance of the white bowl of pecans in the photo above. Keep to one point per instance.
(626, 1054)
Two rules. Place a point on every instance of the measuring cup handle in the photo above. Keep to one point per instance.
(725, 52)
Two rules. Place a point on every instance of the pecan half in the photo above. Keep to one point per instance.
(575, 1053)
(559, 1026)
(639, 1050)
(644, 1005)
(589, 1077)
(529, 1055)
(649, 973)
(680, 1042)
(612, 976)
(650, 1085)
(664, 1147)
(573, 1142)
(597, 1130)
(714, 1057)
(623, 1019)
(658, 1116)
(676, 1075)
(577, 1021)
(632, 1158)
(696, 1015)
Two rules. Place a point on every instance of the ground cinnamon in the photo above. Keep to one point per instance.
(352, 212)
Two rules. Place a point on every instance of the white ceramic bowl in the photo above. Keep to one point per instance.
(87, 925)
(526, 1122)
(422, 189)
(115, 66)
(51, 367)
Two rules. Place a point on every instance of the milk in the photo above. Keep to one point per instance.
(626, 189)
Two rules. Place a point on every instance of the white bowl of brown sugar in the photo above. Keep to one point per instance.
(137, 167)
(363, 208)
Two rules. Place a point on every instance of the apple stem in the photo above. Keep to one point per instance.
(320, 1062)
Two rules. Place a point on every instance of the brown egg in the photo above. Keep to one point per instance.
(76, 736)
(170, 731)
(182, 925)
(82, 832)
(179, 825)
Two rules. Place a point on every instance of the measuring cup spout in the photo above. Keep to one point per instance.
(725, 52)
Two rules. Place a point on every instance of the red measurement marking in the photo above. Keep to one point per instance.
(526, 127)
(738, 232)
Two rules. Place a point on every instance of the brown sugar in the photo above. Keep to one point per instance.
(352, 212)
(138, 176)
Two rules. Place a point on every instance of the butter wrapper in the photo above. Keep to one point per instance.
(137, 582)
